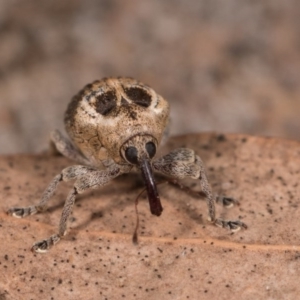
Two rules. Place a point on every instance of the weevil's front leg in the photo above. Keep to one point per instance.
(90, 180)
(67, 174)
(182, 163)
(46, 244)
(66, 148)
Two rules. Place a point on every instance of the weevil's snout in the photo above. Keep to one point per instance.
(153, 196)
(140, 154)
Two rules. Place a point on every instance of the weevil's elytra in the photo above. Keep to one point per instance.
(116, 125)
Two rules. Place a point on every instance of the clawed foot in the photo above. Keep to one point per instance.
(44, 245)
(226, 201)
(233, 226)
(21, 212)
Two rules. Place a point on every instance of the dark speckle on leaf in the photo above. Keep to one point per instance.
(221, 138)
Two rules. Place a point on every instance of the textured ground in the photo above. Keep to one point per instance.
(180, 255)
(231, 66)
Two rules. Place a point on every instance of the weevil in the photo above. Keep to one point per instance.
(115, 125)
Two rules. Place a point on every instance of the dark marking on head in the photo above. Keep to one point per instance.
(124, 102)
(106, 102)
(139, 96)
(72, 107)
(133, 115)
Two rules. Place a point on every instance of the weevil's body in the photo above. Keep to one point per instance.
(106, 114)
(117, 124)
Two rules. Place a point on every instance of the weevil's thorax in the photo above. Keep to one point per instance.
(108, 113)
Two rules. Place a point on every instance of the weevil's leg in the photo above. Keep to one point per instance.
(90, 180)
(206, 189)
(46, 244)
(223, 200)
(21, 212)
(66, 148)
(182, 163)
(67, 174)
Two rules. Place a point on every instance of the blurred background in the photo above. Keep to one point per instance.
(226, 66)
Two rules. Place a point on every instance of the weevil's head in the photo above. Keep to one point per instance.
(117, 118)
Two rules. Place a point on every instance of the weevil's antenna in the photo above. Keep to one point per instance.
(135, 233)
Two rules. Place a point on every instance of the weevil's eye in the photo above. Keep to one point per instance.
(139, 96)
(106, 102)
(151, 149)
(131, 154)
